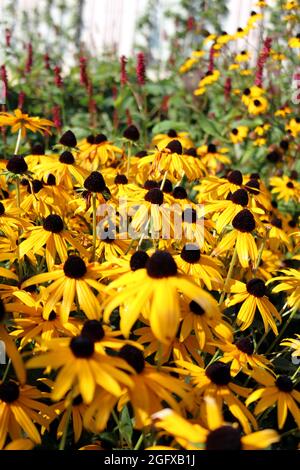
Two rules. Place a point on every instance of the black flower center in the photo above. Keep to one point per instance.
(240, 197)
(74, 267)
(172, 133)
(100, 138)
(167, 187)
(9, 392)
(68, 139)
(161, 264)
(179, 193)
(190, 253)
(141, 153)
(192, 152)
(138, 260)
(245, 345)
(235, 177)
(257, 103)
(196, 308)
(256, 287)
(82, 346)
(134, 357)
(175, 147)
(37, 185)
(67, 158)
(290, 185)
(90, 139)
(121, 179)
(276, 222)
(17, 165)
(253, 186)
(211, 148)
(150, 184)
(52, 316)
(53, 223)
(51, 180)
(78, 400)
(38, 149)
(255, 176)
(244, 221)
(246, 92)
(93, 330)
(155, 196)
(131, 133)
(95, 182)
(284, 144)
(274, 156)
(2, 209)
(224, 438)
(219, 373)
(235, 131)
(2, 310)
(284, 383)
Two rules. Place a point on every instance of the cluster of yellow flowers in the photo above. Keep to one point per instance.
(111, 321)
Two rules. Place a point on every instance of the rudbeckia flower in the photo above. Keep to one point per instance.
(156, 286)
(65, 169)
(97, 151)
(293, 127)
(212, 157)
(202, 268)
(243, 56)
(290, 283)
(81, 365)
(285, 188)
(180, 349)
(10, 219)
(215, 381)
(52, 234)
(206, 324)
(19, 121)
(20, 408)
(241, 356)
(238, 134)
(73, 280)
(293, 343)
(151, 387)
(277, 390)
(216, 435)
(294, 42)
(162, 140)
(241, 236)
(253, 296)
(258, 105)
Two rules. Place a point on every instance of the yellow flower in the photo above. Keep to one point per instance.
(216, 435)
(238, 134)
(258, 105)
(18, 120)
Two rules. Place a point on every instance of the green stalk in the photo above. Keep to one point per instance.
(94, 202)
(282, 331)
(229, 274)
(62, 443)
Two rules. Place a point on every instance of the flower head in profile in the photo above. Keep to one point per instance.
(17, 120)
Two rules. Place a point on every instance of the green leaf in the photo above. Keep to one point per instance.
(164, 126)
(125, 426)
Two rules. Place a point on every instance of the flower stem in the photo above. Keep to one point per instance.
(62, 443)
(6, 370)
(128, 158)
(229, 274)
(17, 147)
(18, 197)
(139, 442)
(282, 331)
(94, 201)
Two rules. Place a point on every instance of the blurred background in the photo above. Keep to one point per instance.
(119, 26)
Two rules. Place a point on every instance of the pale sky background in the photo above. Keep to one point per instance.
(113, 21)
